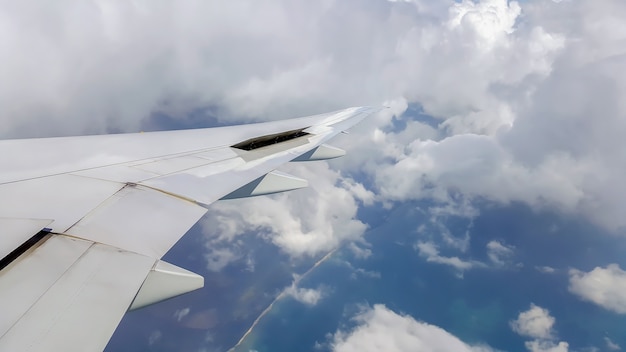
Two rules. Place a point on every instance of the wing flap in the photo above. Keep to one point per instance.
(139, 219)
(25, 280)
(94, 273)
(15, 232)
(63, 198)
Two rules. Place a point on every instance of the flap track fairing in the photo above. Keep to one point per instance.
(165, 281)
(323, 152)
(272, 182)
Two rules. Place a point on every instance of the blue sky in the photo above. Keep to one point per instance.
(499, 160)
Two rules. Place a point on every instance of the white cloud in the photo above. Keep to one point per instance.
(612, 346)
(478, 167)
(308, 296)
(358, 191)
(489, 19)
(306, 222)
(381, 329)
(502, 142)
(179, 314)
(218, 258)
(500, 254)
(605, 287)
(430, 251)
(154, 337)
(360, 252)
(134, 59)
(360, 271)
(366, 273)
(456, 242)
(546, 269)
(535, 323)
(546, 346)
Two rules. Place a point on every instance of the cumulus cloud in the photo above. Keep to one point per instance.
(605, 287)
(306, 222)
(308, 296)
(537, 324)
(381, 329)
(478, 167)
(515, 134)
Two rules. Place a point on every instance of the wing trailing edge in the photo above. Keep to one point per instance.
(16, 235)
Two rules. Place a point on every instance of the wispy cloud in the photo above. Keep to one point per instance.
(499, 254)
(430, 251)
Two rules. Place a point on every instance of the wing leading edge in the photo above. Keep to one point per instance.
(113, 205)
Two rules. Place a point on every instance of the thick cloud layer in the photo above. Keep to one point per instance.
(523, 100)
(540, 123)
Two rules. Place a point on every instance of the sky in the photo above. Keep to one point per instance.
(492, 104)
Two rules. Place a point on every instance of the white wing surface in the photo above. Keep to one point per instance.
(86, 220)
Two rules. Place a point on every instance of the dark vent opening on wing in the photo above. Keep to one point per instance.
(264, 141)
(30, 243)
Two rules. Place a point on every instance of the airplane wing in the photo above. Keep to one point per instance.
(86, 220)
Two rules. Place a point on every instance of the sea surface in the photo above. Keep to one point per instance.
(476, 305)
